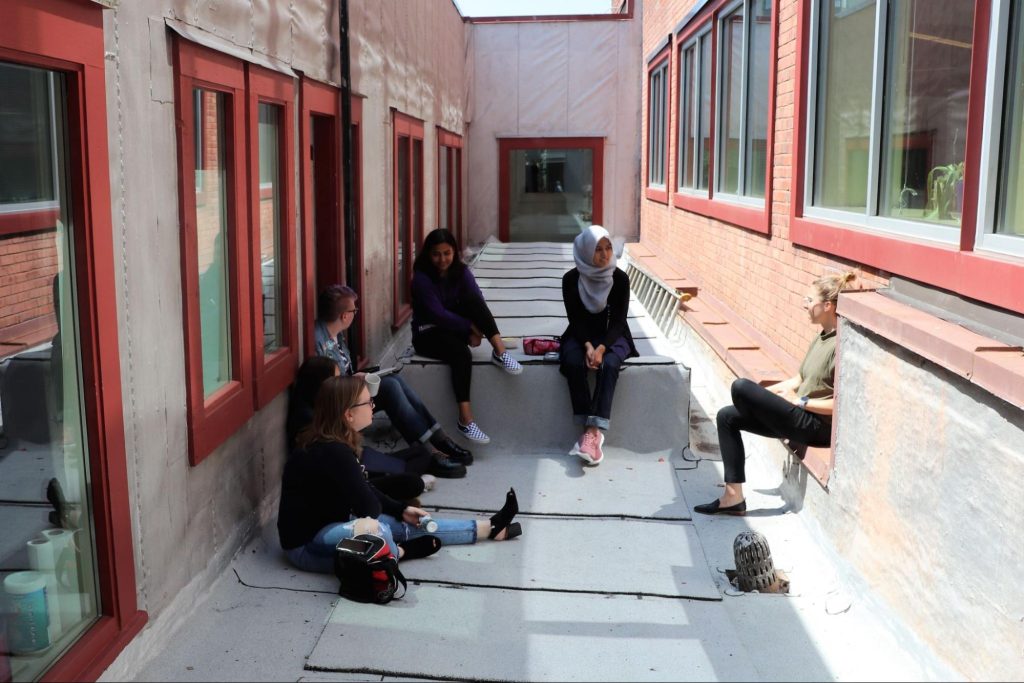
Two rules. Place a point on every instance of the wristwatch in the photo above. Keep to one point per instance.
(803, 401)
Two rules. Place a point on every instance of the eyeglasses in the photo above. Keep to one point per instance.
(363, 403)
(353, 311)
(808, 301)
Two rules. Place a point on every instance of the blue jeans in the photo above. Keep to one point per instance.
(405, 410)
(318, 554)
(592, 410)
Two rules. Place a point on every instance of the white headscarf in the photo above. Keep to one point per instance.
(595, 283)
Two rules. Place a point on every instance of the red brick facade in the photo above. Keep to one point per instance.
(761, 277)
(27, 266)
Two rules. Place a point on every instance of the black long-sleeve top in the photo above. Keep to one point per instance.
(605, 327)
(324, 484)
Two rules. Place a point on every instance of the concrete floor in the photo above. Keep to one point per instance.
(613, 578)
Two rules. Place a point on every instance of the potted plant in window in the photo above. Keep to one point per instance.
(945, 192)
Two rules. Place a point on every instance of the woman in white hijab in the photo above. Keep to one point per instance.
(596, 296)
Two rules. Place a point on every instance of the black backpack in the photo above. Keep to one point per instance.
(367, 571)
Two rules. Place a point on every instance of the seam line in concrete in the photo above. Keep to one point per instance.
(565, 591)
(569, 515)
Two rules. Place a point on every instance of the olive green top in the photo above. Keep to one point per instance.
(818, 369)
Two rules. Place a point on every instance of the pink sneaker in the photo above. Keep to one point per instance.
(589, 449)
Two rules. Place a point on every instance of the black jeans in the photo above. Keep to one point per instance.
(596, 410)
(759, 411)
(453, 348)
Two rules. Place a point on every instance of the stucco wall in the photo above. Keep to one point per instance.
(925, 501)
(556, 79)
(189, 521)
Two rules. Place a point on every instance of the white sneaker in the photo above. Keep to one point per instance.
(428, 481)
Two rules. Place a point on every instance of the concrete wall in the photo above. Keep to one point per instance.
(408, 56)
(189, 521)
(556, 79)
(925, 501)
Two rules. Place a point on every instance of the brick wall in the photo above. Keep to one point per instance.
(27, 266)
(761, 277)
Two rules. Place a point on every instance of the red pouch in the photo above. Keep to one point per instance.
(538, 346)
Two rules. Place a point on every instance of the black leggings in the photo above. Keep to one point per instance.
(453, 348)
(759, 411)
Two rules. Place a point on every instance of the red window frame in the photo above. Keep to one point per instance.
(451, 144)
(275, 372)
(324, 100)
(506, 145)
(406, 126)
(67, 36)
(992, 279)
(212, 420)
(662, 59)
(751, 218)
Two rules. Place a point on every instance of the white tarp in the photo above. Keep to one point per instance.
(555, 79)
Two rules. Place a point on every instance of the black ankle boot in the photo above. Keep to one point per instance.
(454, 451)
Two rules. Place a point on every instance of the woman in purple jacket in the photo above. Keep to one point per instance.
(449, 315)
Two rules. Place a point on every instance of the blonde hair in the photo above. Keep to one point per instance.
(336, 395)
(829, 286)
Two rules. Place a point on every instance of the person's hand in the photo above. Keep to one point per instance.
(599, 356)
(476, 337)
(366, 525)
(411, 515)
(590, 356)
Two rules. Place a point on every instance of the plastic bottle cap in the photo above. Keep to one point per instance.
(23, 583)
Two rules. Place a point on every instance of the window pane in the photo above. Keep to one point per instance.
(270, 226)
(47, 549)
(656, 132)
(687, 133)
(26, 137)
(732, 94)
(211, 244)
(550, 194)
(442, 179)
(417, 196)
(928, 71)
(844, 105)
(1010, 219)
(757, 99)
(402, 257)
(705, 110)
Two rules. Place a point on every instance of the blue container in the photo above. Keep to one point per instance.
(27, 619)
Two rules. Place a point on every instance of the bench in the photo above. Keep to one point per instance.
(25, 335)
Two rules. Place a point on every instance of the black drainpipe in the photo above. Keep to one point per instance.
(351, 239)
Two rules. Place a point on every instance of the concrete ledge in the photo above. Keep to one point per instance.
(992, 365)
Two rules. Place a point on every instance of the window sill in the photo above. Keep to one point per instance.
(987, 278)
(995, 367)
(28, 221)
(748, 217)
(656, 195)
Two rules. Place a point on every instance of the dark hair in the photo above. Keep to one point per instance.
(312, 373)
(330, 303)
(433, 239)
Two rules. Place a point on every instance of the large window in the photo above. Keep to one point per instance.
(67, 585)
(726, 58)
(408, 208)
(237, 236)
(657, 124)
(889, 127)
(449, 183)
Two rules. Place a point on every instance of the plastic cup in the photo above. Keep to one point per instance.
(27, 626)
(373, 382)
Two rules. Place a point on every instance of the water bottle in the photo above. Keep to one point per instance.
(427, 524)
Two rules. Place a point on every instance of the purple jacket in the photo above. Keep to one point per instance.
(433, 301)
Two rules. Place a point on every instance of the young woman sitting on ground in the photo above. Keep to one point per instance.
(596, 297)
(336, 311)
(449, 315)
(799, 408)
(325, 496)
(403, 475)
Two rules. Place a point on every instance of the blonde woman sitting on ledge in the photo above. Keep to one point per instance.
(799, 408)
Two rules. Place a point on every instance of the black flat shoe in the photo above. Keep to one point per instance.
(715, 508)
(421, 546)
(454, 451)
(444, 468)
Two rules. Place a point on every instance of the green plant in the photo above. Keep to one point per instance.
(943, 182)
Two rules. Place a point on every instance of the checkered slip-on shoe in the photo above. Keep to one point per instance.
(473, 433)
(507, 363)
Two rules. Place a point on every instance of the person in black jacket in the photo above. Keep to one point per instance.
(596, 296)
(325, 496)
